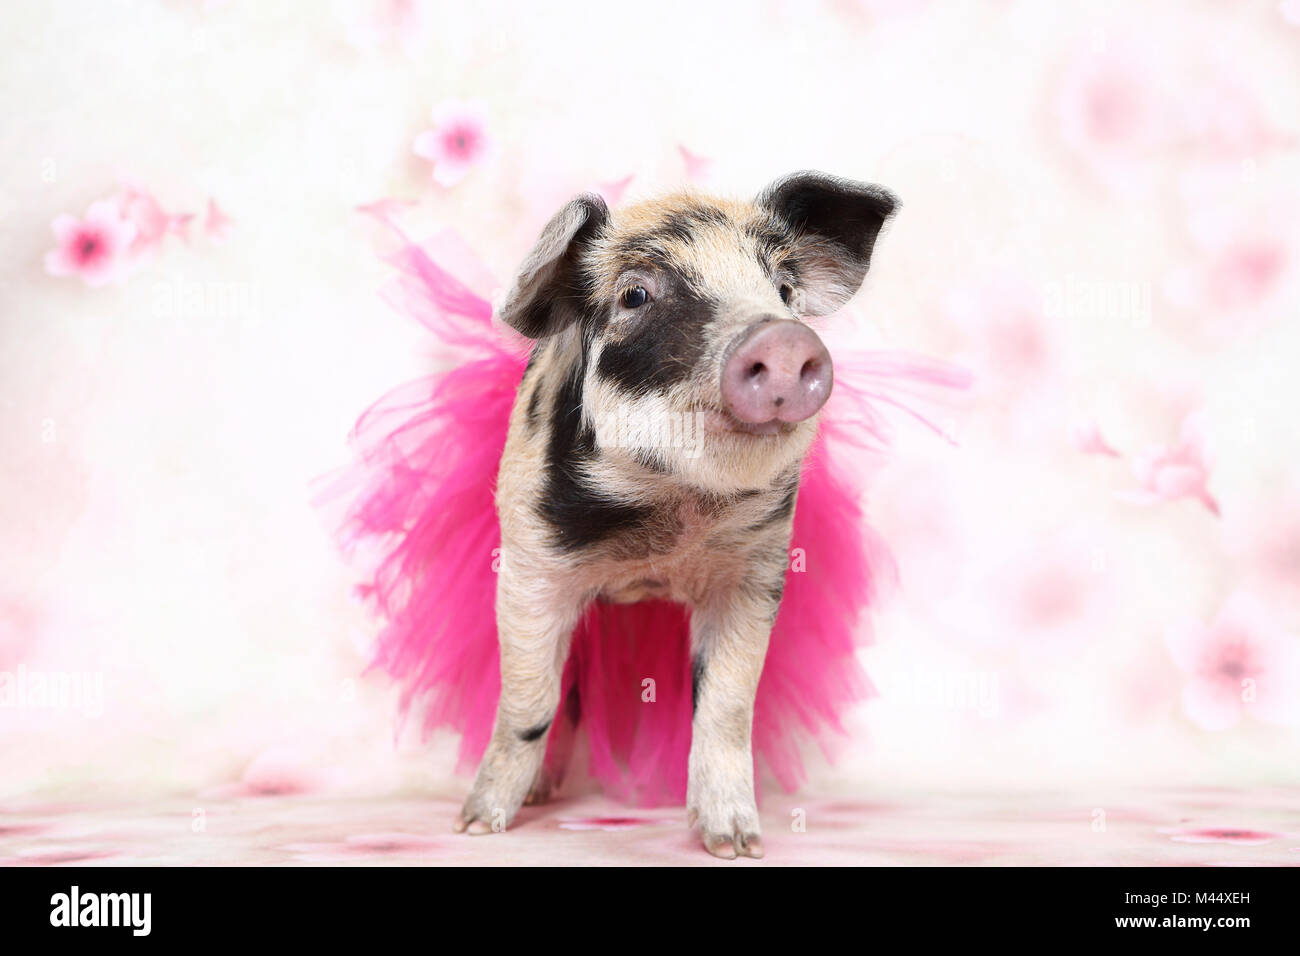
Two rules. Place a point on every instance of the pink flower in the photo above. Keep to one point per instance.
(1167, 474)
(1265, 539)
(1012, 346)
(96, 248)
(217, 225)
(1240, 660)
(1051, 594)
(1246, 270)
(1088, 439)
(152, 222)
(457, 141)
(697, 167)
(1110, 112)
(1278, 547)
(1243, 268)
(612, 190)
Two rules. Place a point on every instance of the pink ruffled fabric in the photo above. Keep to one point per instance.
(420, 513)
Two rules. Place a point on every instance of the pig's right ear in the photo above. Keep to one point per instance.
(835, 222)
(548, 293)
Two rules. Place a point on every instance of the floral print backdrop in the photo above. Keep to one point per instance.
(1099, 578)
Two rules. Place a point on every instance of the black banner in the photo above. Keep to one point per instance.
(336, 905)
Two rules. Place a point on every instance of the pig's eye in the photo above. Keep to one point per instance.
(787, 292)
(634, 297)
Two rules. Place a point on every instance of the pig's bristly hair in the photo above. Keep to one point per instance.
(419, 511)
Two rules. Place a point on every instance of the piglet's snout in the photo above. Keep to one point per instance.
(777, 370)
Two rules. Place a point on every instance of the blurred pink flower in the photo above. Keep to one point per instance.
(1240, 660)
(1088, 439)
(1167, 474)
(457, 142)
(1017, 343)
(1008, 343)
(1290, 10)
(697, 167)
(1043, 594)
(1242, 269)
(152, 222)
(1123, 102)
(1278, 549)
(1050, 594)
(1265, 538)
(217, 224)
(1109, 112)
(1245, 270)
(612, 190)
(96, 248)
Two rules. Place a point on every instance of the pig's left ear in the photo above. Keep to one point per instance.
(835, 223)
(547, 293)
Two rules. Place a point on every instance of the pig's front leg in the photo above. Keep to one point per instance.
(534, 635)
(729, 636)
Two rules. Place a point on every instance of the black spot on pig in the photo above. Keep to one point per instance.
(580, 515)
(697, 680)
(665, 344)
(534, 733)
(685, 224)
(771, 239)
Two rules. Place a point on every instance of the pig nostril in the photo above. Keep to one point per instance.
(775, 370)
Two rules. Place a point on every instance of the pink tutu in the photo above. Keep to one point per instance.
(419, 504)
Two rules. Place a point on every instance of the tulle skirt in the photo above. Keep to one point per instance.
(419, 519)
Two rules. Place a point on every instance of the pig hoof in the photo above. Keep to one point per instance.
(476, 826)
(728, 847)
(721, 846)
(728, 835)
(476, 818)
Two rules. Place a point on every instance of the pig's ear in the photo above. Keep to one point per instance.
(547, 294)
(835, 223)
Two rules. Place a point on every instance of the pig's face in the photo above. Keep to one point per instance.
(678, 324)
